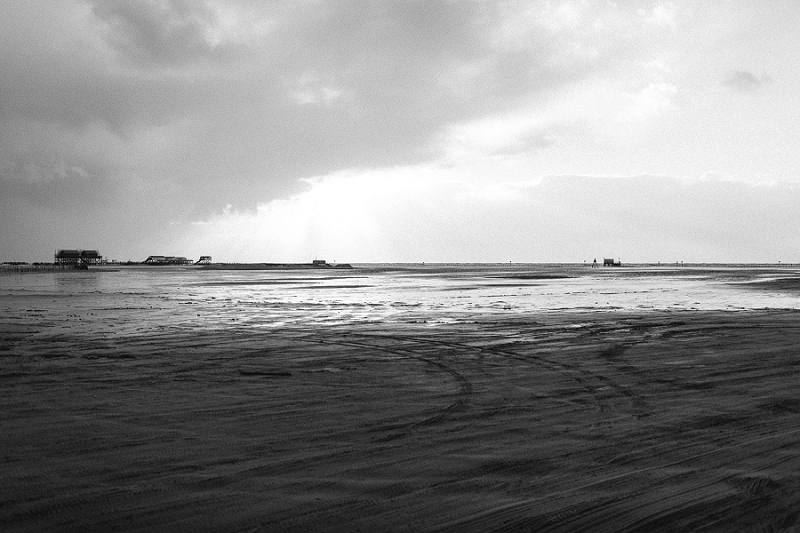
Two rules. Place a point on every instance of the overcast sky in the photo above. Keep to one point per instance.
(413, 131)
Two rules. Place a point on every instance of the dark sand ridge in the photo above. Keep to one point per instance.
(657, 421)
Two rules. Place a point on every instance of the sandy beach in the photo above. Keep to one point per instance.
(399, 399)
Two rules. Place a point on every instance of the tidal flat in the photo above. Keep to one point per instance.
(401, 398)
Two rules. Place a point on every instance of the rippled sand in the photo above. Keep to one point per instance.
(402, 399)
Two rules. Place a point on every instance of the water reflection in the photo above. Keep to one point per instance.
(139, 301)
(77, 281)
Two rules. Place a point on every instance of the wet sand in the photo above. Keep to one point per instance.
(658, 420)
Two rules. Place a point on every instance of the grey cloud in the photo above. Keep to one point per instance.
(47, 204)
(79, 97)
(174, 32)
(58, 187)
(744, 81)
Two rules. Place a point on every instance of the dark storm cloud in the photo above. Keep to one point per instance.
(429, 62)
(248, 106)
(200, 104)
(63, 77)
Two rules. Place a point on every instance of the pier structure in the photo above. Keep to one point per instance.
(77, 257)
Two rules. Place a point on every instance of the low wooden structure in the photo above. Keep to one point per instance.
(166, 260)
(611, 262)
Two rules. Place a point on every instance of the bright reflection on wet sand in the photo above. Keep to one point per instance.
(130, 300)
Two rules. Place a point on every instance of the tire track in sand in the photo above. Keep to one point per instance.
(580, 375)
(589, 516)
(462, 400)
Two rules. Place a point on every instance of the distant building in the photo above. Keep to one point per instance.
(204, 260)
(611, 262)
(166, 260)
(77, 257)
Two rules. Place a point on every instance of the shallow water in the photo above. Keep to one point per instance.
(130, 301)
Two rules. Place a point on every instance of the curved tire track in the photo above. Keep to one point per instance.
(465, 388)
(580, 375)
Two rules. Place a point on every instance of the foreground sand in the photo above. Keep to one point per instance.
(660, 421)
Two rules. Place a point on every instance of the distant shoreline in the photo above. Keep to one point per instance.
(273, 266)
(22, 267)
